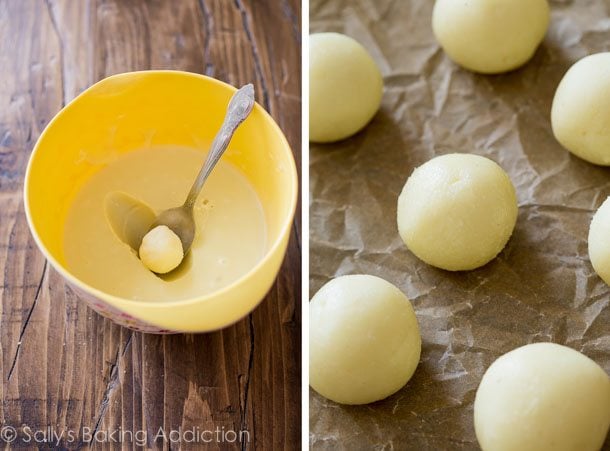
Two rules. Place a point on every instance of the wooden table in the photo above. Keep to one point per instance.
(65, 368)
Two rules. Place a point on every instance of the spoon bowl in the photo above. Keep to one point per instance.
(129, 218)
(181, 221)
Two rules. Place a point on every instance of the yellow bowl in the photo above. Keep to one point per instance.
(141, 109)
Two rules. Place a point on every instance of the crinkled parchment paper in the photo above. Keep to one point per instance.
(542, 286)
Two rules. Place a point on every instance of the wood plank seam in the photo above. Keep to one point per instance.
(113, 382)
(244, 408)
(293, 19)
(27, 322)
(62, 66)
(208, 23)
(255, 54)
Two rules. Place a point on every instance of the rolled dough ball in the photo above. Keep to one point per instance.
(457, 211)
(599, 241)
(161, 250)
(364, 341)
(490, 36)
(581, 109)
(345, 87)
(542, 397)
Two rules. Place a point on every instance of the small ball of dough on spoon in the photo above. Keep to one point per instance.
(161, 250)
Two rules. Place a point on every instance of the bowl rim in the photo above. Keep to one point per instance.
(117, 300)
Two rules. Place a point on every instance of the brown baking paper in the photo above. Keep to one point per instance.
(540, 288)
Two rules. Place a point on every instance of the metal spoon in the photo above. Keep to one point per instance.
(180, 219)
(131, 219)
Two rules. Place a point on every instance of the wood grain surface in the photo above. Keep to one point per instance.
(65, 368)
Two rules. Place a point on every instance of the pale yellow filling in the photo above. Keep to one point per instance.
(231, 232)
(161, 250)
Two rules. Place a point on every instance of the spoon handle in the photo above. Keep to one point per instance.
(239, 108)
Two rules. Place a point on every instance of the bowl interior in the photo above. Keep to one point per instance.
(132, 111)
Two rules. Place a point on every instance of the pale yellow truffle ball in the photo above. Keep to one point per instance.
(457, 211)
(580, 115)
(345, 87)
(364, 341)
(599, 241)
(490, 36)
(161, 250)
(543, 397)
